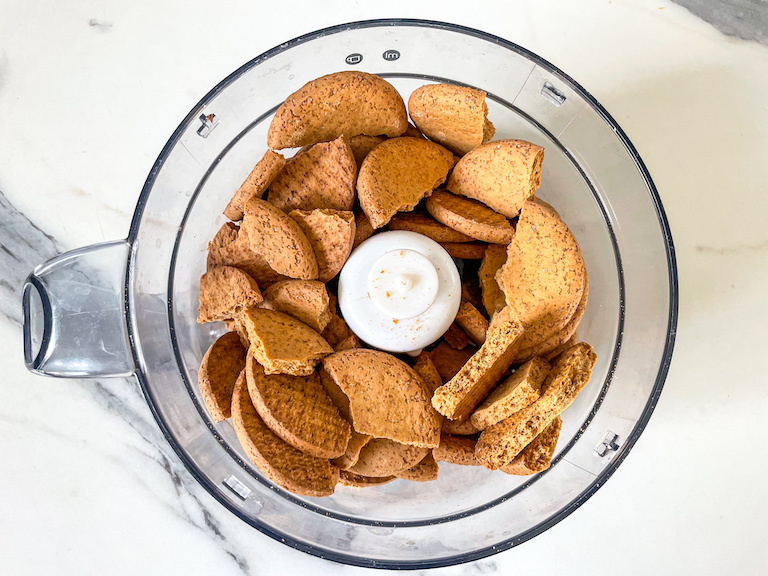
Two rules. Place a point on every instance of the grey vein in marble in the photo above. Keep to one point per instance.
(728, 250)
(22, 247)
(745, 19)
(100, 25)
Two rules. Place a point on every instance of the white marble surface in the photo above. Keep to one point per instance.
(89, 93)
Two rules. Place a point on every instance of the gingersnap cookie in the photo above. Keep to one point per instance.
(321, 177)
(512, 395)
(424, 471)
(230, 247)
(428, 226)
(379, 386)
(343, 103)
(412, 132)
(455, 337)
(305, 300)
(555, 344)
(256, 184)
(363, 144)
(352, 453)
(501, 174)
(221, 366)
(338, 334)
(456, 450)
(363, 229)
(224, 292)
(384, 457)
(465, 251)
(493, 298)
(463, 427)
(448, 361)
(428, 373)
(298, 409)
(347, 478)
(236, 326)
(472, 322)
(279, 239)
(397, 174)
(470, 217)
(543, 277)
(282, 344)
(463, 392)
(537, 456)
(454, 116)
(279, 461)
(331, 234)
(500, 443)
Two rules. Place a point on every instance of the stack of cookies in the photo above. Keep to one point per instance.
(313, 406)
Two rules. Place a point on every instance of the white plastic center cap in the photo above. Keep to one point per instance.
(403, 283)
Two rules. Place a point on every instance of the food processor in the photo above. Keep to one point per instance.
(129, 308)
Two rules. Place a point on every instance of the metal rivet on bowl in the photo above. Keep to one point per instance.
(609, 444)
(354, 58)
(391, 55)
(552, 94)
(208, 122)
(237, 487)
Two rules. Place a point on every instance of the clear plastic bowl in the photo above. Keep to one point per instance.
(129, 307)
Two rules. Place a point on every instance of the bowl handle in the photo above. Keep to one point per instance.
(75, 316)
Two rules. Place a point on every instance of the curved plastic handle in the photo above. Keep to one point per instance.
(74, 314)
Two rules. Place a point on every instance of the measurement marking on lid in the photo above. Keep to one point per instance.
(391, 55)
(354, 58)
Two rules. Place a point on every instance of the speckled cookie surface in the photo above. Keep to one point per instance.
(256, 184)
(384, 457)
(344, 103)
(224, 292)
(428, 226)
(331, 234)
(470, 217)
(221, 365)
(230, 247)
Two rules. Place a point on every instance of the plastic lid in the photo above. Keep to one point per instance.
(399, 291)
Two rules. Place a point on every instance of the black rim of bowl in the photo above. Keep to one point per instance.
(599, 479)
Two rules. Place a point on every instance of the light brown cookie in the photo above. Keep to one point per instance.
(383, 457)
(276, 459)
(553, 345)
(337, 332)
(463, 427)
(465, 251)
(363, 144)
(428, 373)
(331, 234)
(449, 361)
(472, 322)
(501, 174)
(544, 275)
(305, 300)
(499, 444)
(470, 290)
(454, 116)
(426, 225)
(279, 239)
(234, 325)
(412, 132)
(298, 409)
(493, 260)
(512, 395)
(424, 471)
(401, 411)
(457, 398)
(343, 103)
(349, 343)
(363, 229)
(397, 174)
(456, 450)
(552, 356)
(221, 366)
(224, 292)
(322, 177)
(537, 456)
(230, 247)
(455, 337)
(347, 478)
(256, 184)
(352, 453)
(470, 217)
(282, 344)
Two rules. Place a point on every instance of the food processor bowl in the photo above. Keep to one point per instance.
(130, 307)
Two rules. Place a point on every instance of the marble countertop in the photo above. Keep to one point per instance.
(90, 92)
